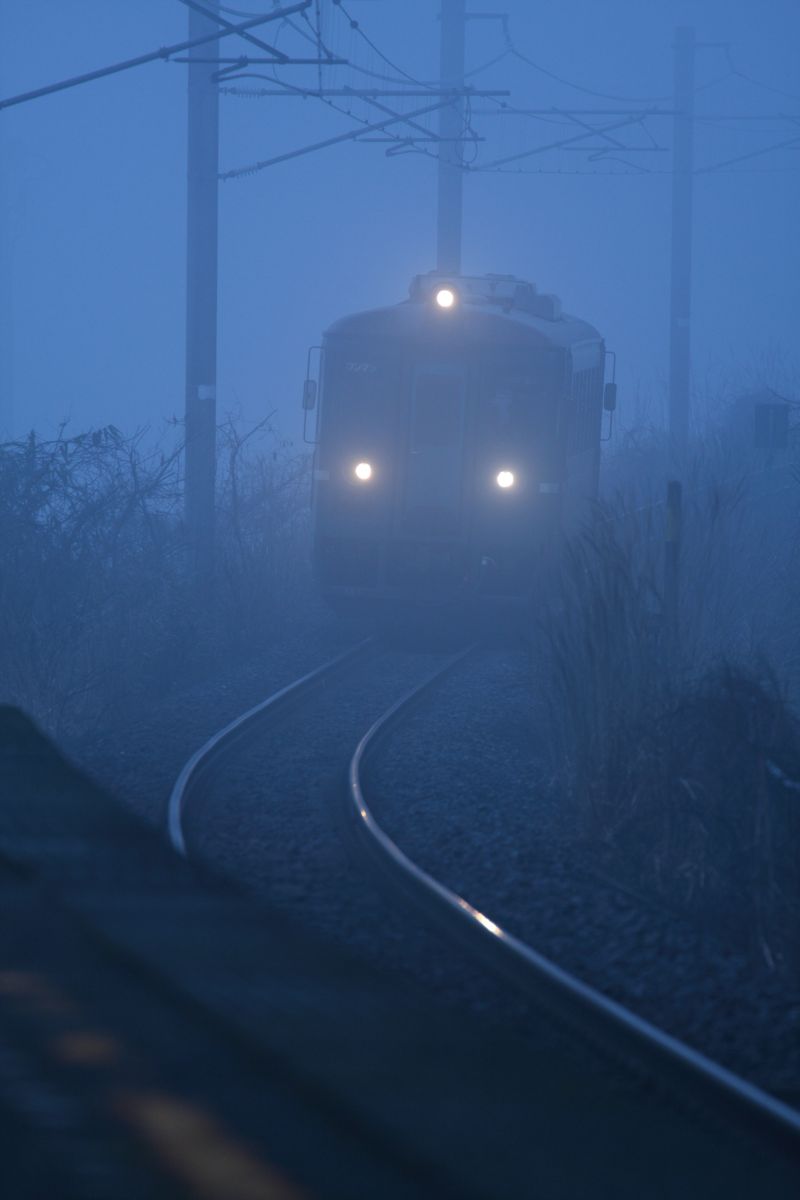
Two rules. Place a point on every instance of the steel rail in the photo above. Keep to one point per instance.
(584, 1009)
(223, 740)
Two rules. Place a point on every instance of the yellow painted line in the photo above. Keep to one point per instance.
(193, 1146)
(86, 1048)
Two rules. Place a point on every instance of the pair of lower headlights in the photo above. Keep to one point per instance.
(363, 472)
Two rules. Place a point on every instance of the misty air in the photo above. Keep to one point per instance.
(399, 600)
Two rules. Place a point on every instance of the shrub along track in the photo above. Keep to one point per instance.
(297, 861)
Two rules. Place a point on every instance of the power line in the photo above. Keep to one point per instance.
(236, 12)
(793, 141)
(248, 37)
(332, 141)
(614, 149)
(290, 89)
(355, 25)
(560, 143)
(638, 172)
(356, 93)
(234, 68)
(367, 95)
(512, 49)
(767, 87)
(164, 53)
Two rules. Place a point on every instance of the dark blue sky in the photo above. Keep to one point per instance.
(93, 200)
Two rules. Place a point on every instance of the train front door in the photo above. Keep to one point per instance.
(433, 490)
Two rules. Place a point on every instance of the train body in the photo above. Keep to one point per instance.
(458, 436)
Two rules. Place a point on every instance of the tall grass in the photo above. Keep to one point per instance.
(679, 753)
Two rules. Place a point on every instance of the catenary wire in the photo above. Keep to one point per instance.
(408, 144)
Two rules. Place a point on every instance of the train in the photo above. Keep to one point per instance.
(457, 439)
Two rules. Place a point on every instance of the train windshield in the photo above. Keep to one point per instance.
(516, 407)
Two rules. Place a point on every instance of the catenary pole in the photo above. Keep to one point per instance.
(451, 129)
(681, 267)
(7, 215)
(201, 294)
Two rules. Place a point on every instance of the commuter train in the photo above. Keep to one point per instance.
(457, 438)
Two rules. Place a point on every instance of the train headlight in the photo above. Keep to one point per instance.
(445, 297)
(363, 471)
(505, 479)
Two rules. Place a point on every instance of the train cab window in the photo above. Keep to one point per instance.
(356, 398)
(517, 407)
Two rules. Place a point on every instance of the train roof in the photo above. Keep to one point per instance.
(496, 308)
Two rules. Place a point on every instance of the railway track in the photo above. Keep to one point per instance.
(635, 1046)
(220, 744)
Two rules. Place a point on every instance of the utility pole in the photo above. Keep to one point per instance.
(201, 292)
(7, 213)
(681, 273)
(451, 131)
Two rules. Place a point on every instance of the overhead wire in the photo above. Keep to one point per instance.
(767, 87)
(398, 140)
(314, 35)
(356, 27)
(587, 91)
(400, 76)
(470, 134)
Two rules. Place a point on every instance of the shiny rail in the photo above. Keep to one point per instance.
(223, 741)
(593, 1016)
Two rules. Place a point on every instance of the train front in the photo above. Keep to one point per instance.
(438, 459)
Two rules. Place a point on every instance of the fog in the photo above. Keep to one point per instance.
(94, 180)
(595, 607)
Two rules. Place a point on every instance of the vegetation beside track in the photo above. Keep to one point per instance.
(675, 736)
(100, 607)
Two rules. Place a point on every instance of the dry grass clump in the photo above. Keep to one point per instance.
(99, 606)
(706, 808)
(603, 657)
(677, 748)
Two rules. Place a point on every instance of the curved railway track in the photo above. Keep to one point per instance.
(221, 743)
(617, 1032)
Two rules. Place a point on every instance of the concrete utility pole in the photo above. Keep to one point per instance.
(7, 212)
(451, 130)
(201, 292)
(681, 281)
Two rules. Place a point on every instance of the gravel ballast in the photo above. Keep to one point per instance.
(461, 789)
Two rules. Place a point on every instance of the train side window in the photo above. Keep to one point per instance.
(437, 411)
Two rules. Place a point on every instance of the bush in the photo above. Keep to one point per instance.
(99, 604)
